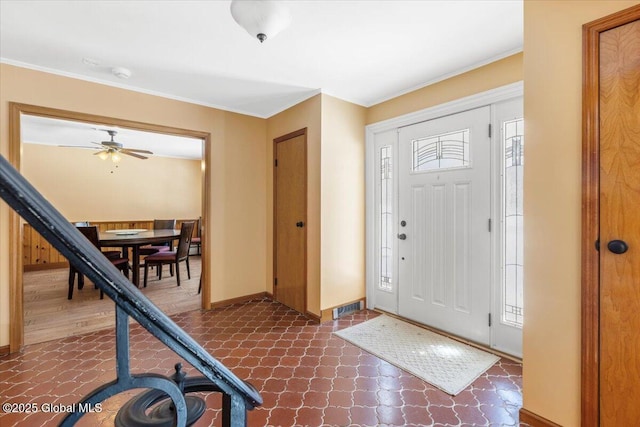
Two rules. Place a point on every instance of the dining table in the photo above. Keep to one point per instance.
(134, 239)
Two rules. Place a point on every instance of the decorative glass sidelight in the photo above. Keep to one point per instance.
(386, 219)
(513, 133)
(444, 151)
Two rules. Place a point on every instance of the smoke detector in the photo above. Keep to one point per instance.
(121, 72)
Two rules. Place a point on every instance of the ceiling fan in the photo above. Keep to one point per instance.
(112, 149)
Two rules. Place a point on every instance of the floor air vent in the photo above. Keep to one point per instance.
(347, 309)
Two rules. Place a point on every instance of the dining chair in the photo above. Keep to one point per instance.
(172, 257)
(91, 233)
(196, 240)
(159, 224)
(73, 272)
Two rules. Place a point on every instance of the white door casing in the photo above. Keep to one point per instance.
(505, 103)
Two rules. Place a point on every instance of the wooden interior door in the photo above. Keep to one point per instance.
(290, 205)
(620, 225)
(611, 184)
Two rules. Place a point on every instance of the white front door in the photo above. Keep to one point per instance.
(443, 226)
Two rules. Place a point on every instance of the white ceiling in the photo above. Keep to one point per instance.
(46, 131)
(360, 51)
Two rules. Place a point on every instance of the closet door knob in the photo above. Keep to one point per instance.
(618, 246)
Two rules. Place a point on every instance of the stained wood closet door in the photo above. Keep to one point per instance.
(620, 221)
(290, 221)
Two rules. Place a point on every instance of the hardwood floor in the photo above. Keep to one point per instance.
(49, 315)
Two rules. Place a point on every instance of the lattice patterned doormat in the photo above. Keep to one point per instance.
(447, 364)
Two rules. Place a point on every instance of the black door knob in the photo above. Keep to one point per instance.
(402, 236)
(300, 224)
(618, 246)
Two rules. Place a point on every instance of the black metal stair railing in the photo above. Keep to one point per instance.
(177, 408)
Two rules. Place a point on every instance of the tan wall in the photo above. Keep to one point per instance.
(234, 245)
(490, 76)
(83, 187)
(552, 188)
(343, 205)
(306, 114)
(552, 75)
(244, 200)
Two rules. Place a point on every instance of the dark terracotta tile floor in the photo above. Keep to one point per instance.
(306, 375)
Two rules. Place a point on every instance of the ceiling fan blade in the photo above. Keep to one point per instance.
(128, 153)
(135, 150)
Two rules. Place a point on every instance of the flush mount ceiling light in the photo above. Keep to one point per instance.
(262, 18)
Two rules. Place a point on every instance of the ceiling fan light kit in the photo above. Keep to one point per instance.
(110, 153)
(261, 18)
(115, 157)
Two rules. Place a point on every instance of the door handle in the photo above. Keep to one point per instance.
(300, 224)
(618, 246)
(402, 236)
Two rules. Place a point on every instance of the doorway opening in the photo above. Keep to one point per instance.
(35, 137)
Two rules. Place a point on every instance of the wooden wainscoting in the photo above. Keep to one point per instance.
(38, 254)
